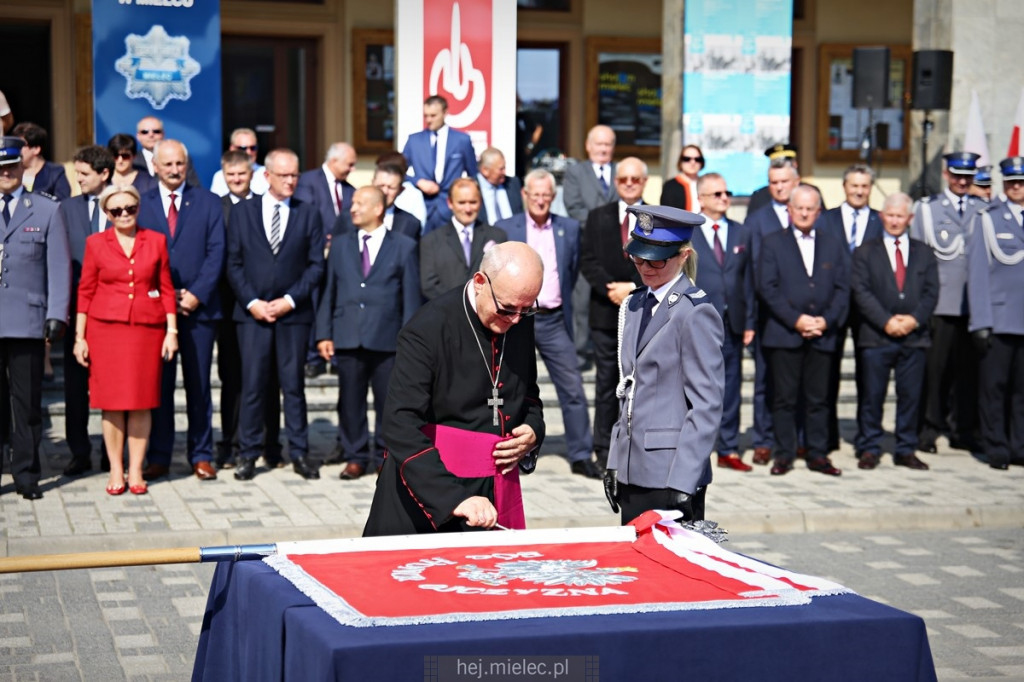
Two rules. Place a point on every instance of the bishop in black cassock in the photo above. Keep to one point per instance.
(440, 377)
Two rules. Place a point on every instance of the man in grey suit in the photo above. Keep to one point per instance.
(500, 193)
(673, 374)
(587, 185)
(35, 285)
(449, 254)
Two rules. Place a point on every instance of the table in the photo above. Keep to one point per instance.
(258, 626)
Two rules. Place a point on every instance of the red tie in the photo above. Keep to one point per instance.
(625, 232)
(172, 215)
(901, 269)
(337, 197)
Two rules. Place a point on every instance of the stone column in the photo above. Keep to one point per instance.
(672, 49)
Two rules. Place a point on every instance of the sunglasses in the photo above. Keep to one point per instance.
(690, 159)
(125, 210)
(123, 155)
(629, 180)
(247, 148)
(717, 195)
(505, 312)
(155, 131)
(656, 264)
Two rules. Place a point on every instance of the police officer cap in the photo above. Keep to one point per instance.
(660, 231)
(962, 163)
(781, 151)
(10, 149)
(1012, 168)
(983, 177)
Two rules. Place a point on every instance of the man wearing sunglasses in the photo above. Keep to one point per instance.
(148, 131)
(465, 365)
(244, 140)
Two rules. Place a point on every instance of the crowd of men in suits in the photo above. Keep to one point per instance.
(291, 274)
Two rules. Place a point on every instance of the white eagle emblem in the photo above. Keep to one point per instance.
(157, 67)
(646, 223)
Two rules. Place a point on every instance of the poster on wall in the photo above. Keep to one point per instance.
(464, 51)
(159, 59)
(736, 84)
(629, 97)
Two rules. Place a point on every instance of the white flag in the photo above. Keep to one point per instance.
(974, 138)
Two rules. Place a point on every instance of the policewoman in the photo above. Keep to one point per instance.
(672, 374)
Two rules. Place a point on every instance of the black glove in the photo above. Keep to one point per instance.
(683, 502)
(54, 331)
(981, 339)
(611, 488)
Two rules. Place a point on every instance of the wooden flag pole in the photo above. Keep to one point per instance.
(141, 557)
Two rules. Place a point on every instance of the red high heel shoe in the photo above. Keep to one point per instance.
(138, 489)
(115, 490)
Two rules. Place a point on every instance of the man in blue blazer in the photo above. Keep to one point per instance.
(557, 240)
(501, 194)
(94, 165)
(856, 222)
(373, 288)
(726, 276)
(804, 285)
(275, 261)
(192, 219)
(438, 156)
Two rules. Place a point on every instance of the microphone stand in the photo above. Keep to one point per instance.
(926, 128)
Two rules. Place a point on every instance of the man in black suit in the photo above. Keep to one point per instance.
(237, 172)
(94, 166)
(501, 194)
(895, 289)
(763, 196)
(612, 277)
(856, 222)
(804, 285)
(373, 288)
(275, 261)
(449, 254)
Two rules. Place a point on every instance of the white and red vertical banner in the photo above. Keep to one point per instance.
(464, 51)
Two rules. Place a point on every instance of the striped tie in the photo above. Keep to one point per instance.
(275, 229)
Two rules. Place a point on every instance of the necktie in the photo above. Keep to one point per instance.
(95, 219)
(433, 154)
(901, 269)
(648, 313)
(337, 197)
(719, 251)
(624, 229)
(853, 230)
(600, 178)
(172, 215)
(467, 244)
(366, 255)
(961, 209)
(275, 229)
(7, 208)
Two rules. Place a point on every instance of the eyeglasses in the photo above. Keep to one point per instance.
(118, 211)
(123, 155)
(691, 159)
(656, 264)
(717, 195)
(155, 131)
(543, 196)
(629, 180)
(247, 148)
(293, 176)
(505, 312)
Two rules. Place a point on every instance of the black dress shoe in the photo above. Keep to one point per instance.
(823, 466)
(154, 471)
(586, 467)
(911, 462)
(781, 468)
(315, 369)
(78, 466)
(1000, 466)
(926, 441)
(336, 456)
(305, 468)
(30, 492)
(245, 469)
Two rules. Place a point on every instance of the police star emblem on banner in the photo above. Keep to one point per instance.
(157, 67)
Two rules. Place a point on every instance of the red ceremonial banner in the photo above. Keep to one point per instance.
(665, 568)
(457, 47)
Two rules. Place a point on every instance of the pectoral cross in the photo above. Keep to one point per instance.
(495, 402)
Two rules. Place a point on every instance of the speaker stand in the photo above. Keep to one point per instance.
(925, 129)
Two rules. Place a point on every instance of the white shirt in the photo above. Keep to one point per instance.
(267, 207)
(332, 185)
(165, 197)
(603, 170)
(410, 199)
(660, 292)
(862, 222)
(373, 243)
(955, 200)
(495, 198)
(258, 184)
(806, 245)
(708, 228)
(632, 217)
(441, 144)
(890, 248)
(147, 156)
(94, 205)
(782, 211)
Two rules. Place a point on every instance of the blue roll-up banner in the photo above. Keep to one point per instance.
(159, 58)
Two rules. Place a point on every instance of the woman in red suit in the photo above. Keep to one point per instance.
(681, 191)
(126, 324)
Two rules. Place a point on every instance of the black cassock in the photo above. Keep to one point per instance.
(440, 377)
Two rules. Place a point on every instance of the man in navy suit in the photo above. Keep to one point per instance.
(94, 166)
(193, 221)
(804, 285)
(856, 222)
(725, 274)
(149, 131)
(275, 261)
(557, 240)
(500, 193)
(388, 179)
(373, 288)
(895, 289)
(438, 156)
(782, 180)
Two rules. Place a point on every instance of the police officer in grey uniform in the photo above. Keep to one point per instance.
(35, 285)
(995, 289)
(943, 222)
(982, 185)
(672, 374)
